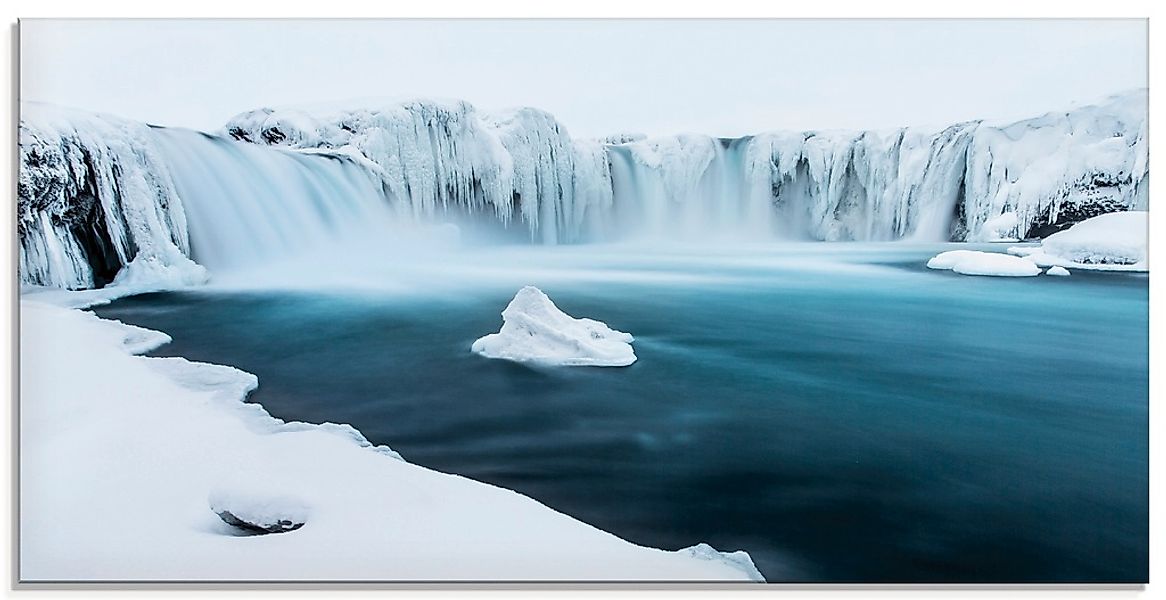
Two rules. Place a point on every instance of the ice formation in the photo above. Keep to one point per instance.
(1057, 271)
(975, 262)
(955, 184)
(127, 455)
(1109, 242)
(996, 229)
(96, 192)
(93, 195)
(534, 330)
(441, 157)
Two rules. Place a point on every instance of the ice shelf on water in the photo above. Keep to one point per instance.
(534, 330)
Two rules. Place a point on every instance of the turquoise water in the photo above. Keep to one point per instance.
(843, 414)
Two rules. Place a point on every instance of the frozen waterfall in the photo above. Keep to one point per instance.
(97, 193)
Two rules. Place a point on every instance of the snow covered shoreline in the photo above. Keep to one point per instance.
(120, 460)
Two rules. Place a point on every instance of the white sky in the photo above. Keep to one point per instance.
(721, 77)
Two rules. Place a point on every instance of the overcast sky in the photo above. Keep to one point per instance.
(721, 77)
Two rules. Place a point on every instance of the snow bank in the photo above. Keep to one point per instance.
(121, 464)
(1058, 272)
(1110, 242)
(535, 330)
(975, 262)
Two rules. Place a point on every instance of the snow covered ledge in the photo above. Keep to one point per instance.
(122, 458)
(1110, 242)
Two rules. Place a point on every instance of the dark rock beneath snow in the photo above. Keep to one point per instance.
(278, 526)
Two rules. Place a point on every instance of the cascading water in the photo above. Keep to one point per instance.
(98, 194)
(693, 188)
(246, 204)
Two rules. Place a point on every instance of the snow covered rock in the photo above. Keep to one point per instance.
(1056, 271)
(1114, 239)
(93, 194)
(535, 330)
(1059, 168)
(259, 513)
(975, 262)
(1110, 242)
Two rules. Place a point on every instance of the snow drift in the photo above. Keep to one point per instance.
(535, 330)
(133, 457)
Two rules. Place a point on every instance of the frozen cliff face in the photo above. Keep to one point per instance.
(863, 185)
(969, 181)
(92, 196)
(1059, 169)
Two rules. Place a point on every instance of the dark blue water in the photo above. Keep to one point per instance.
(897, 425)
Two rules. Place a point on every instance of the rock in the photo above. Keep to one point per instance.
(259, 514)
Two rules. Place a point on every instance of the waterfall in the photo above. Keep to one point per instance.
(690, 188)
(103, 199)
(246, 204)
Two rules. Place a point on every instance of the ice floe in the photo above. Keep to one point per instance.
(535, 330)
(975, 262)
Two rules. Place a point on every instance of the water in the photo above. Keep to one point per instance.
(844, 416)
(249, 205)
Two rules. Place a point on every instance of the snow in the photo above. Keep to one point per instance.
(1058, 272)
(975, 262)
(1109, 242)
(534, 330)
(152, 273)
(996, 229)
(122, 458)
(1115, 238)
(948, 260)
